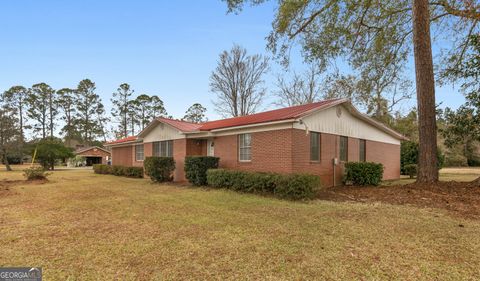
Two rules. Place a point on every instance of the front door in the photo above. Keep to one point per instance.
(210, 148)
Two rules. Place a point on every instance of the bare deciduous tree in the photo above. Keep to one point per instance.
(300, 89)
(238, 82)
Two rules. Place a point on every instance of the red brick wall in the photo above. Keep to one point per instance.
(196, 147)
(387, 154)
(179, 153)
(271, 152)
(148, 149)
(288, 150)
(122, 156)
(328, 150)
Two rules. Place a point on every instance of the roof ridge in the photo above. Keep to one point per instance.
(282, 108)
(179, 120)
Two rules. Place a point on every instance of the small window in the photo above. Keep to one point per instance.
(139, 152)
(362, 151)
(163, 148)
(314, 146)
(343, 149)
(245, 147)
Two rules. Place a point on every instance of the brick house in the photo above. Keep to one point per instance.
(315, 138)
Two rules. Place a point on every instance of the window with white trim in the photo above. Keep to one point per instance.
(139, 152)
(245, 147)
(314, 146)
(343, 148)
(362, 151)
(163, 148)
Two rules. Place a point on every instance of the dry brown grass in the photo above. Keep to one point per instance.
(82, 226)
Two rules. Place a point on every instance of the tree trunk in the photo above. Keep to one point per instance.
(425, 84)
(5, 160)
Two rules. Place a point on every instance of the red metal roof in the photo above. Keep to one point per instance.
(183, 126)
(127, 139)
(269, 116)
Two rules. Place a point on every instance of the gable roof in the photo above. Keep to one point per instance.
(292, 113)
(281, 114)
(181, 125)
(83, 149)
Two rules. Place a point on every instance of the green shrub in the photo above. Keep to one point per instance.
(409, 155)
(159, 169)
(133, 172)
(363, 173)
(102, 169)
(35, 173)
(196, 168)
(411, 170)
(118, 170)
(289, 186)
(218, 178)
(297, 186)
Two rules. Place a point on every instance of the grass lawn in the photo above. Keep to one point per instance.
(446, 174)
(82, 226)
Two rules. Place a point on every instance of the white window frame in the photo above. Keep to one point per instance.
(242, 145)
(168, 146)
(137, 153)
(319, 145)
(362, 144)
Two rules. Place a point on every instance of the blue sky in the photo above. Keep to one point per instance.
(167, 48)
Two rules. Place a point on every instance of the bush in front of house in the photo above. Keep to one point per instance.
(411, 170)
(118, 170)
(133, 172)
(363, 173)
(287, 186)
(196, 168)
(297, 186)
(35, 173)
(159, 169)
(102, 169)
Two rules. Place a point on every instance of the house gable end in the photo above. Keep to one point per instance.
(344, 120)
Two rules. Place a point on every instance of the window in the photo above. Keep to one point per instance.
(139, 152)
(343, 149)
(163, 148)
(245, 147)
(314, 146)
(362, 151)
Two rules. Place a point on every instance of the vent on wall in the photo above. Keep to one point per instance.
(339, 112)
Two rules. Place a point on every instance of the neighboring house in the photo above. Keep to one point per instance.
(94, 155)
(314, 138)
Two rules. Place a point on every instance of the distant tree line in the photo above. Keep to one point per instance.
(42, 117)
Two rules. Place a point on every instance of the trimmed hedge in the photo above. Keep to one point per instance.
(196, 168)
(102, 169)
(288, 186)
(131, 172)
(159, 169)
(118, 170)
(363, 173)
